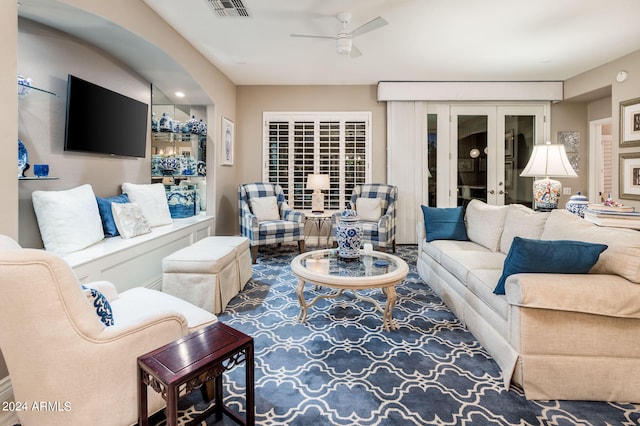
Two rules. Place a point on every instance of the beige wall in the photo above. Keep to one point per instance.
(602, 77)
(8, 122)
(135, 16)
(571, 116)
(47, 57)
(254, 100)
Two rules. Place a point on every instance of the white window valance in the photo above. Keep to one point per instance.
(470, 91)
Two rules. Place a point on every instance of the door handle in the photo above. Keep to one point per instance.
(491, 191)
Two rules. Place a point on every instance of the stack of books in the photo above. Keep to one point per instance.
(614, 216)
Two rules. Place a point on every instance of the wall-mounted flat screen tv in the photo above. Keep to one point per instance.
(104, 122)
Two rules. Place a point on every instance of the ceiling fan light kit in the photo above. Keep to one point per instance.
(343, 44)
(344, 39)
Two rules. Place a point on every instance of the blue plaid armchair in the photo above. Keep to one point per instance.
(380, 234)
(289, 227)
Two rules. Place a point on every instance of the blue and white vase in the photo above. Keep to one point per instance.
(577, 204)
(349, 235)
(166, 123)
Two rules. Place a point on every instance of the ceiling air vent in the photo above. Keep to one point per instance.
(229, 8)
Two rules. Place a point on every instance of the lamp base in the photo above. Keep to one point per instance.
(317, 202)
(546, 193)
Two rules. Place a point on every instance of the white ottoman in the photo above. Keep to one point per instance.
(204, 274)
(243, 256)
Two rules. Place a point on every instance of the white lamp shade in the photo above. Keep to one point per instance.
(548, 160)
(317, 182)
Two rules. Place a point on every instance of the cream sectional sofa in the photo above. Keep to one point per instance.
(559, 336)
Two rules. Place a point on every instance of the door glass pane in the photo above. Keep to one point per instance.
(519, 139)
(432, 157)
(472, 158)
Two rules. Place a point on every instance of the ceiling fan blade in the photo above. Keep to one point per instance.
(355, 52)
(369, 26)
(312, 36)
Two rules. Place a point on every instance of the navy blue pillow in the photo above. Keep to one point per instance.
(101, 304)
(444, 223)
(104, 206)
(554, 257)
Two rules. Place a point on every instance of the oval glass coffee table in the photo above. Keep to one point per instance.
(324, 268)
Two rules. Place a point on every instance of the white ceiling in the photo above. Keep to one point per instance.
(425, 40)
(438, 40)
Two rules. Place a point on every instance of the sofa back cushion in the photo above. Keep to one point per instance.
(523, 222)
(485, 223)
(621, 258)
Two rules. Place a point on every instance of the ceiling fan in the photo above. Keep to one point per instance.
(344, 39)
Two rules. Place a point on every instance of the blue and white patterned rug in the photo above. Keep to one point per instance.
(342, 368)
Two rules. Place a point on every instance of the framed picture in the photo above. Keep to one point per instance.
(509, 139)
(227, 142)
(630, 123)
(630, 176)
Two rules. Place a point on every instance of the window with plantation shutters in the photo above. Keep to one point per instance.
(299, 144)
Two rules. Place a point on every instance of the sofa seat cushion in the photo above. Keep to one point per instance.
(139, 301)
(369, 230)
(607, 295)
(434, 249)
(277, 227)
(622, 256)
(481, 282)
(459, 263)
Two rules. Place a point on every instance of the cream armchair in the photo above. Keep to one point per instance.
(59, 351)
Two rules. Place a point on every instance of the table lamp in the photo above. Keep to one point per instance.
(317, 183)
(548, 160)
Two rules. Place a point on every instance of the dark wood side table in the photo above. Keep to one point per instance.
(177, 368)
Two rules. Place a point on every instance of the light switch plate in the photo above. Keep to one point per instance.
(566, 191)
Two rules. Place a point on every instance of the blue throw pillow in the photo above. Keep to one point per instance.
(104, 206)
(444, 223)
(554, 257)
(101, 304)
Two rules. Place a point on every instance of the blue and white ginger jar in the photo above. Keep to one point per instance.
(349, 235)
(577, 204)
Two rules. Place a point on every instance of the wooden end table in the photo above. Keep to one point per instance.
(177, 368)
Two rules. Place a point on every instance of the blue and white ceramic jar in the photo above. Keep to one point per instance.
(577, 204)
(349, 235)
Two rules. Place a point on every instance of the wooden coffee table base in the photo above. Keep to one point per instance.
(387, 311)
(176, 369)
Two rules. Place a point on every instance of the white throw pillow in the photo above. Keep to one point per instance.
(69, 220)
(369, 209)
(152, 199)
(265, 208)
(522, 222)
(485, 223)
(129, 220)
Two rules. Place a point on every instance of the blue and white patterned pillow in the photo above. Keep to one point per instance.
(102, 305)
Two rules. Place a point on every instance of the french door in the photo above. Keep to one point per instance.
(479, 151)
